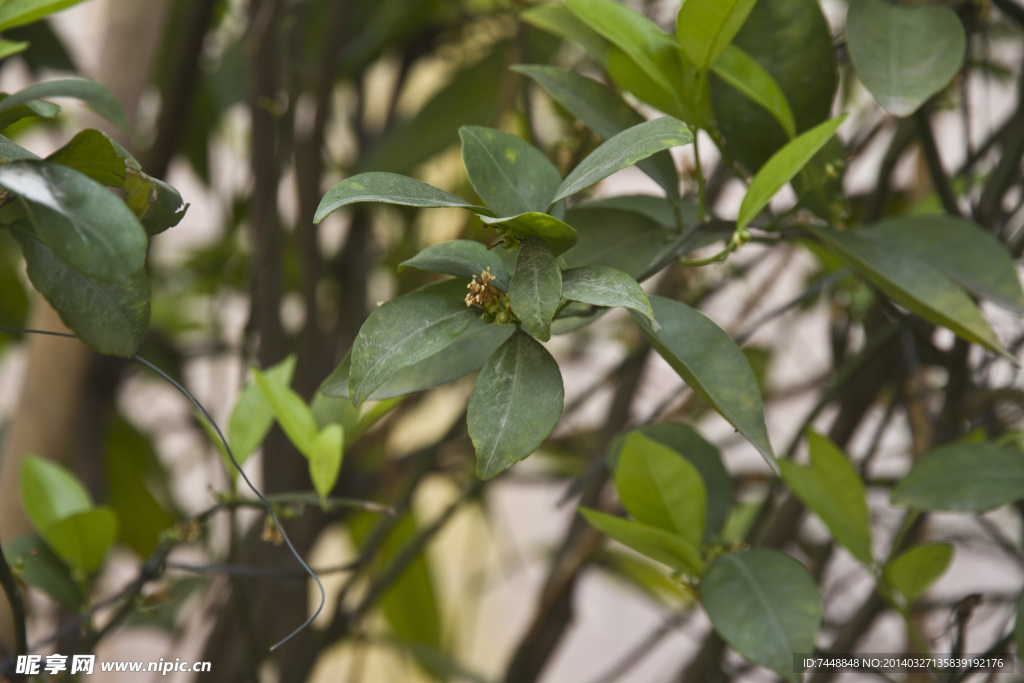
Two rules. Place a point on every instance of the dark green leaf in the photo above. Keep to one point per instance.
(623, 240)
(535, 288)
(510, 175)
(252, 417)
(32, 108)
(657, 544)
(558, 235)
(111, 317)
(904, 55)
(95, 155)
(99, 99)
(666, 214)
(19, 12)
(604, 286)
(555, 18)
(685, 440)
(964, 477)
(516, 403)
(83, 539)
(10, 151)
(388, 188)
(157, 205)
(49, 492)
(38, 566)
(705, 29)
(623, 150)
(708, 359)
(325, 459)
(961, 249)
(918, 568)
(742, 72)
(765, 605)
(604, 111)
(406, 330)
(291, 412)
(660, 488)
(834, 491)
(783, 167)
(461, 258)
(911, 282)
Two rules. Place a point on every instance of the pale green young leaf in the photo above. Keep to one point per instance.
(535, 288)
(604, 286)
(913, 571)
(325, 459)
(290, 411)
(964, 477)
(20, 12)
(556, 19)
(83, 539)
(252, 416)
(9, 48)
(559, 235)
(657, 544)
(783, 167)
(49, 492)
(516, 403)
(624, 150)
(741, 71)
(764, 604)
(511, 175)
(388, 188)
(705, 29)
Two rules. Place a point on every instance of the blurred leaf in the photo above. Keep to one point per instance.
(1018, 632)
(516, 403)
(705, 29)
(918, 568)
(834, 491)
(325, 459)
(557, 19)
(406, 330)
(764, 604)
(10, 47)
(49, 492)
(291, 412)
(32, 108)
(961, 249)
(964, 477)
(99, 99)
(252, 417)
(48, 51)
(707, 358)
(461, 258)
(388, 188)
(10, 151)
(18, 12)
(624, 150)
(535, 288)
(660, 488)
(904, 55)
(911, 282)
(38, 566)
(510, 175)
(94, 154)
(783, 167)
(604, 111)
(558, 235)
(604, 286)
(743, 73)
(84, 538)
(657, 544)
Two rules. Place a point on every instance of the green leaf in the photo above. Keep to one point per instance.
(621, 239)
(964, 477)
(660, 488)
(911, 282)
(461, 258)
(111, 317)
(9, 48)
(82, 222)
(604, 111)
(707, 358)
(388, 188)
(623, 150)
(604, 286)
(157, 205)
(19, 12)
(406, 330)
(963, 250)
(657, 544)
(705, 29)
(904, 55)
(918, 568)
(252, 417)
(536, 288)
(49, 492)
(782, 167)
(510, 175)
(558, 235)
(742, 72)
(38, 566)
(834, 491)
(764, 604)
(10, 151)
(516, 403)
(684, 440)
(99, 99)
(84, 538)
(30, 109)
(555, 18)
(464, 356)
(291, 412)
(325, 459)
(95, 155)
